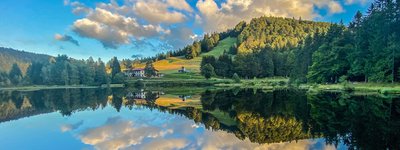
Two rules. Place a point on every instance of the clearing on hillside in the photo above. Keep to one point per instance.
(173, 64)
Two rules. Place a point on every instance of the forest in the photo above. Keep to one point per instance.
(62, 70)
(365, 51)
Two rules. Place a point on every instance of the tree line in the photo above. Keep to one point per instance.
(62, 70)
(365, 50)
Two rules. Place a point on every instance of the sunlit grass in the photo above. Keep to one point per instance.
(222, 46)
(174, 102)
(171, 65)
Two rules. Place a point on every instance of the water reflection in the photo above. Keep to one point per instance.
(210, 119)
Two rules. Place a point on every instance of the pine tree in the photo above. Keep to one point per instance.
(34, 73)
(115, 67)
(15, 74)
(101, 74)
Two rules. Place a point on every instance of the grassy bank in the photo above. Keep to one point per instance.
(382, 88)
(171, 82)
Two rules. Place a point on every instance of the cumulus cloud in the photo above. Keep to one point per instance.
(215, 18)
(180, 4)
(362, 2)
(113, 29)
(165, 131)
(66, 38)
(78, 8)
(173, 21)
(117, 134)
(157, 12)
(114, 25)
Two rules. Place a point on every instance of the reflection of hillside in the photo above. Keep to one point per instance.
(366, 122)
(271, 130)
(263, 117)
(9, 111)
(362, 122)
(15, 105)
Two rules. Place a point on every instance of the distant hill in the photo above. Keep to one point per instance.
(9, 56)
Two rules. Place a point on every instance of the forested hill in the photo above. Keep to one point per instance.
(274, 32)
(367, 50)
(10, 56)
(277, 33)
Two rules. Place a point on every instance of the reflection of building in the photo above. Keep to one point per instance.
(184, 97)
(142, 95)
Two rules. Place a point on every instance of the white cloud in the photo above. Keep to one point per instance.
(335, 7)
(66, 38)
(157, 12)
(362, 2)
(214, 18)
(118, 134)
(112, 29)
(172, 21)
(180, 4)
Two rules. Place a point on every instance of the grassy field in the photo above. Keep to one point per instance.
(222, 46)
(171, 65)
(383, 88)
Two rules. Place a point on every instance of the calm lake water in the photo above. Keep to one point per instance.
(197, 119)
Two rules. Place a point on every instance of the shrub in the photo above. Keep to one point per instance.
(119, 78)
(236, 78)
(138, 84)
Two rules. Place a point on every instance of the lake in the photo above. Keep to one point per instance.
(197, 118)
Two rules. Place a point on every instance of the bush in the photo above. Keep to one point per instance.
(119, 78)
(348, 87)
(236, 78)
(138, 84)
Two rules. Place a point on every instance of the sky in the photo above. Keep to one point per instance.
(141, 28)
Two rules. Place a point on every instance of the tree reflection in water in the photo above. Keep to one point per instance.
(359, 121)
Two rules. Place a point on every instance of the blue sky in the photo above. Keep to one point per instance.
(122, 28)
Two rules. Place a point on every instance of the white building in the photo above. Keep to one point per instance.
(139, 72)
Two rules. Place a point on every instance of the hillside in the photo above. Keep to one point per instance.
(10, 56)
(173, 64)
(280, 37)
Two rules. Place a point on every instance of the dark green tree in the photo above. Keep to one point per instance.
(15, 74)
(208, 71)
(100, 73)
(236, 78)
(149, 70)
(115, 67)
(33, 73)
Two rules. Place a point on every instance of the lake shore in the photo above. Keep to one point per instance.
(275, 83)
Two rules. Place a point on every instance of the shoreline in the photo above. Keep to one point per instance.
(265, 83)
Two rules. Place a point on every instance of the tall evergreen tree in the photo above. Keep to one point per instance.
(115, 66)
(15, 74)
(34, 73)
(101, 74)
